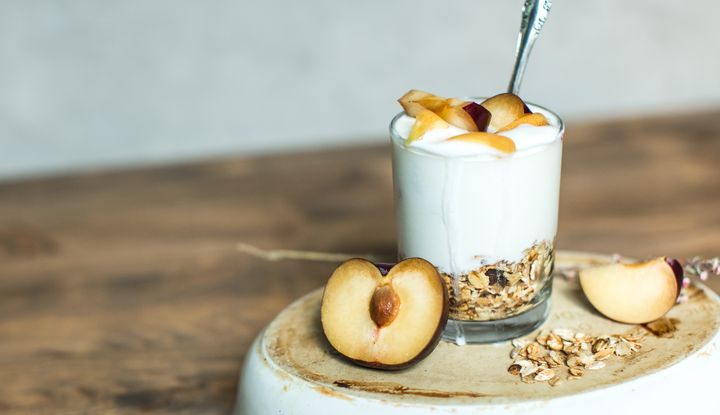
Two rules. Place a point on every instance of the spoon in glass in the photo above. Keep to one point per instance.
(534, 15)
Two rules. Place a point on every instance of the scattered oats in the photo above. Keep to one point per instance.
(573, 361)
(545, 374)
(539, 360)
(637, 335)
(554, 342)
(603, 354)
(571, 348)
(595, 366)
(585, 358)
(555, 381)
(535, 352)
(600, 344)
(577, 371)
(520, 343)
(564, 334)
(529, 370)
(524, 363)
(552, 360)
(542, 338)
(623, 349)
(514, 369)
(557, 357)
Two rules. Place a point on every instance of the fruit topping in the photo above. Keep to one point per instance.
(632, 293)
(426, 120)
(505, 108)
(384, 321)
(410, 103)
(480, 115)
(497, 114)
(455, 102)
(495, 141)
(458, 117)
(536, 119)
(433, 103)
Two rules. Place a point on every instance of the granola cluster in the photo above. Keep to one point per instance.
(563, 355)
(502, 289)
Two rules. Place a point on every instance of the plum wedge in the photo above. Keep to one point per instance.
(426, 120)
(498, 142)
(633, 293)
(535, 119)
(412, 101)
(505, 108)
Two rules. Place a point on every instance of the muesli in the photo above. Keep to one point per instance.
(502, 289)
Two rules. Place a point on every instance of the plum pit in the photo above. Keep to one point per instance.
(384, 305)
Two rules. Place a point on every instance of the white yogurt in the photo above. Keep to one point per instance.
(461, 205)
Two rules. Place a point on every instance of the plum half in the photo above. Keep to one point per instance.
(633, 293)
(384, 320)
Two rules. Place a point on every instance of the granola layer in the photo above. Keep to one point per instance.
(502, 289)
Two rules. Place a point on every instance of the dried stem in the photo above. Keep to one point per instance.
(702, 268)
(290, 254)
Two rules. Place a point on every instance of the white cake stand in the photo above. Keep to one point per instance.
(291, 369)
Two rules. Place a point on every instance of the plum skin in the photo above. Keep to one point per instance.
(479, 114)
(677, 270)
(384, 267)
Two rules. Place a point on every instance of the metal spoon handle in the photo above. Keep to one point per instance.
(534, 15)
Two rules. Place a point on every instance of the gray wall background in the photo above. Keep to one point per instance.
(90, 83)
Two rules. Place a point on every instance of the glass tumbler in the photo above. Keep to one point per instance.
(488, 223)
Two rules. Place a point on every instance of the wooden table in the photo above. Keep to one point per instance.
(123, 292)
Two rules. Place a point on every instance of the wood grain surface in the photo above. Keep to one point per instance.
(123, 292)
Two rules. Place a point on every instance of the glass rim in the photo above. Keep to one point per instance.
(396, 140)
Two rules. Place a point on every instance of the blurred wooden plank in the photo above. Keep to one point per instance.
(122, 292)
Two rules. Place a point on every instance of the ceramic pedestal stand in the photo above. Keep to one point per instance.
(291, 369)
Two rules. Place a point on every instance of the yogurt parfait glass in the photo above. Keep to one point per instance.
(487, 222)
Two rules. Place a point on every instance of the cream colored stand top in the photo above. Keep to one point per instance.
(291, 369)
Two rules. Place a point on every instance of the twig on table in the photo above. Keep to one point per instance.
(290, 254)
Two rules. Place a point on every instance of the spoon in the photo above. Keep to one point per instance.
(534, 15)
